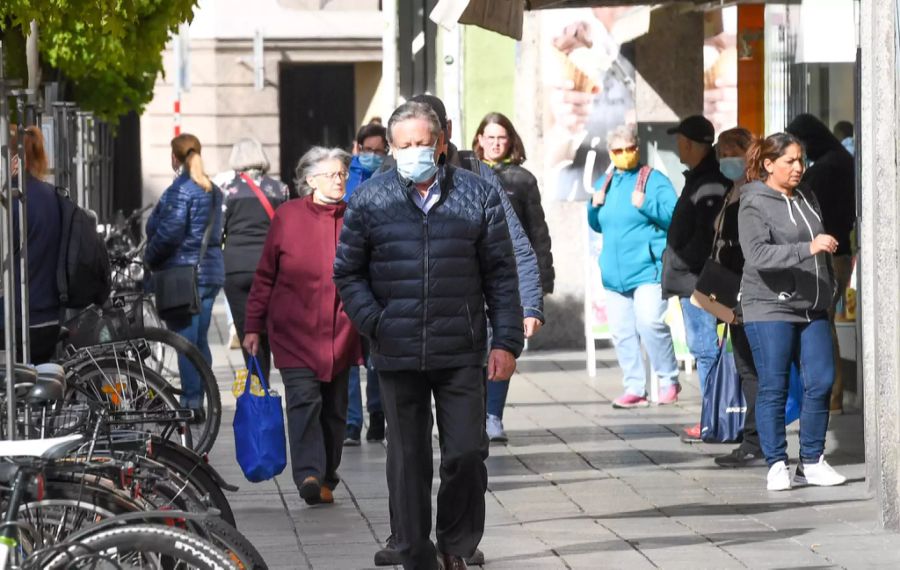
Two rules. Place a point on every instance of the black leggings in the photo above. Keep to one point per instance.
(237, 289)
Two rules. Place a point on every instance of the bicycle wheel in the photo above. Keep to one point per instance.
(235, 545)
(154, 547)
(190, 468)
(165, 348)
(134, 393)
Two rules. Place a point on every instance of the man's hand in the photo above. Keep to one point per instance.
(501, 364)
(251, 343)
(532, 326)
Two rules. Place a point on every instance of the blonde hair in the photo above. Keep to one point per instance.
(186, 148)
(35, 156)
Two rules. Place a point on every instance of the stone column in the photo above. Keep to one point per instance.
(880, 256)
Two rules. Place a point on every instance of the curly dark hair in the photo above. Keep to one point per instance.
(772, 148)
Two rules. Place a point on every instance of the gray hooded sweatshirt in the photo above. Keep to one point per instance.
(782, 281)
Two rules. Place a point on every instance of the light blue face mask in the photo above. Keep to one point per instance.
(733, 167)
(416, 163)
(370, 161)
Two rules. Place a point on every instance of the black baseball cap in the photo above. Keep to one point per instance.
(697, 128)
(436, 105)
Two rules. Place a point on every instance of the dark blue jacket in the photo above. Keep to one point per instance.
(357, 175)
(175, 231)
(44, 227)
(417, 284)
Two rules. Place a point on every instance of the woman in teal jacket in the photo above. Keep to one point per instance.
(633, 212)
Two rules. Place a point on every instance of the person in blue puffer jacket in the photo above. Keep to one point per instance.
(174, 235)
(634, 224)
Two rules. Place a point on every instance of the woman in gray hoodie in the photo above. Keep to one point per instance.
(786, 291)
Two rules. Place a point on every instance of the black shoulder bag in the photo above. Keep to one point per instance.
(718, 288)
(177, 291)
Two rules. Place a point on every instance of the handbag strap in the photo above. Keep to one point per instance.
(720, 223)
(267, 206)
(209, 226)
(253, 363)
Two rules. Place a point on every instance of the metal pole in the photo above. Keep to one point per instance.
(80, 182)
(7, 260)
(21, 98)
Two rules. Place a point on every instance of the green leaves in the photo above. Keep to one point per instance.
(109, 50)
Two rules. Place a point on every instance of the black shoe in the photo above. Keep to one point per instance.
(311, 491)
(376, 427)
(741, 458)
(477, 559)
(351, 438)
(389, 555)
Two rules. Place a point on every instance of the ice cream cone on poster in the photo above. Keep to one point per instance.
(575, 77)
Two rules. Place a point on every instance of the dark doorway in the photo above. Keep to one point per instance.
(316, 104)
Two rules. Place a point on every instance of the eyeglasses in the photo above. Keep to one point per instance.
(618, 151)
(379, 151)
(339, 175)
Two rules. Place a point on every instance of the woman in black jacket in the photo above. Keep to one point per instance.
(251, 199)
(731, 150)
(498, 145)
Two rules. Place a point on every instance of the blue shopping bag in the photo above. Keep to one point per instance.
(259, 430)
(724, 407)
(795, 396)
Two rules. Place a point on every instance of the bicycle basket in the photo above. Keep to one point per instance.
(95, 326)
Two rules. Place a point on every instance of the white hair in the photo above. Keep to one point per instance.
(248, 154)
(309, 163)
(622, 134)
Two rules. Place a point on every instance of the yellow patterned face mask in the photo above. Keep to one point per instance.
(625, 158)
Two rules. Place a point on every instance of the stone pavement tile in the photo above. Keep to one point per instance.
(858, 551)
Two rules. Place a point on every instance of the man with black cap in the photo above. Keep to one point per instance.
(690, 242)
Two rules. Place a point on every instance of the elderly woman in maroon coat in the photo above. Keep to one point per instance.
(294, 300)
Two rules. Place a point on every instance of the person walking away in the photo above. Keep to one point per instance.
(294, 300)
(498, 145)
(690, 241)
(369, 150)
(175, 232)
(43, 242)
(633, 210)
(251, 200)
(832, 179)
(424, 249)
(731, 150)
(786, 292)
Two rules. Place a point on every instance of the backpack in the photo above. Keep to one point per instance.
(640, 186)
(83, 269)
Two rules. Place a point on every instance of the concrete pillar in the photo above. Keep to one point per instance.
(880, 256)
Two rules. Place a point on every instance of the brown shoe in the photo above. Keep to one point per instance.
(310, 490)
(452, 562)
(326, 496)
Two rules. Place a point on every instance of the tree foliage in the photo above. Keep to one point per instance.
(110, 51)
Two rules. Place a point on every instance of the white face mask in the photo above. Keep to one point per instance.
(416, 163)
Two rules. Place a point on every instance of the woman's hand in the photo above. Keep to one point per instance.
(532, 325)
(251, 343)
(597, 199)
(823, 243)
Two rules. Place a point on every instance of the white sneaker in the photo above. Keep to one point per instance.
(779, 477)
(820, 474)
(494, 427)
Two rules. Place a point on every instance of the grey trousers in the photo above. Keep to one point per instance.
(317, 418)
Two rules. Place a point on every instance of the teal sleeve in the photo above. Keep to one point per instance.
(593, 217)
(659, 203)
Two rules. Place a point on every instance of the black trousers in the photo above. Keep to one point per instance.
(460, 411)
(743, 361)
(237, 289)
(42, 342)
(317, 419)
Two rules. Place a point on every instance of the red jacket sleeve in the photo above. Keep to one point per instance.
(264, 281)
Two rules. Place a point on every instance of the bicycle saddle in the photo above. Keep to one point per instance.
(25, 377)
(50, 385)
(50, 448)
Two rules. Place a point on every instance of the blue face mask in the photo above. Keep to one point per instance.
(370, 161)
(416, 163)
(733, 167)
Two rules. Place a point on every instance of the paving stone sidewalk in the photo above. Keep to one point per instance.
(581, 485)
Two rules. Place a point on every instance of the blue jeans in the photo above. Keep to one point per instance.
(195, 330)
(702, 338)
(639, 317)
(775, 346)
(496, 397)
(373, 396)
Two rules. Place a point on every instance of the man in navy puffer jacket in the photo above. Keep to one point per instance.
(423, 250)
